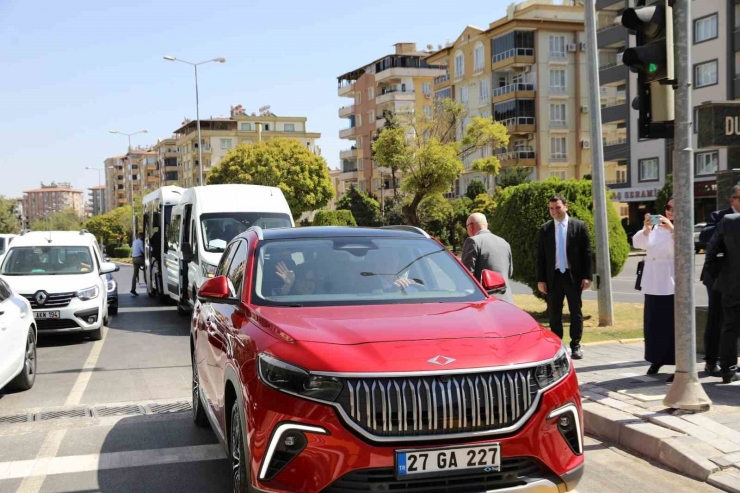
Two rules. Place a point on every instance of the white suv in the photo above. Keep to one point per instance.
(62, 275)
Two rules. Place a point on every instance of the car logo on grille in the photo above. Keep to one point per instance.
(40, 297)
(441, 360)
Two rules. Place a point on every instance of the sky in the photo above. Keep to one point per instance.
(73, 70)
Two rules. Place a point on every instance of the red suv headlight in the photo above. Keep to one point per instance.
(297, 381)
(554, 371)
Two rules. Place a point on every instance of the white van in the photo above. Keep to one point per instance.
(205, 221)
(5, 240)
(157, 210)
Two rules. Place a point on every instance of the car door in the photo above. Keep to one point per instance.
(207, 327)
(12, 334)
(172, 260)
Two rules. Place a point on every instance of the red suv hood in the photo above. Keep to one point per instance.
(347, 325)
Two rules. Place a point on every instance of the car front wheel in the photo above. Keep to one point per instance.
(27, 376)
(199, 414)
(240, 477)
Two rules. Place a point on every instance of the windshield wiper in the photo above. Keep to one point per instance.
(369, 274)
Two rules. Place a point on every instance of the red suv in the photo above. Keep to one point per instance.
(335, 359)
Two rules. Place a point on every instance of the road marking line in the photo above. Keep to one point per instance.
(48, 466)
(78, 389)
(34, 477)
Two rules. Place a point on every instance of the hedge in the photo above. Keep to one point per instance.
(334, 218)
(123, 251)
(521, 211)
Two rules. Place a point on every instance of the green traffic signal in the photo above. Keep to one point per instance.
(652, 68)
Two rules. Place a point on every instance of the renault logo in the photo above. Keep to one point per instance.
(40, 297)
(441, 360)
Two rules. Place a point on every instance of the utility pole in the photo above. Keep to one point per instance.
(603, 267)
(686, 393)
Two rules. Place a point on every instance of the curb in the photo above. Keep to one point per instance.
(668, 446)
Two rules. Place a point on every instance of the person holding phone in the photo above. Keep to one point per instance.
(658, 281)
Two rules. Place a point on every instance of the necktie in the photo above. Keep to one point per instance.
(562, 258)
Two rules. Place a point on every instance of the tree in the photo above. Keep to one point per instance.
(334, 218)
(425, 149)
(365, 209)
(512, 177)
(390, 123)
(66, 220)
(520, 212)
(9, 222)
(284, 163)
(107, 227)
(393, 211)
(475, 188)
(435, 216)
(664, 195)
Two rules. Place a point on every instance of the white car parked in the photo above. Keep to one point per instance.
(62, 275)
(5, 241)
(17, 341)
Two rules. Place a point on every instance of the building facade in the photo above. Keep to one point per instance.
(529, 72)
(220, 135)
(168, 167)
(48, 199)
(130, 175)
(716, 77)
(392, 83)
(97, 200)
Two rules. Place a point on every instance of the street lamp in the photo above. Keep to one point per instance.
(197, 105)
(131, 178)
(98, 170)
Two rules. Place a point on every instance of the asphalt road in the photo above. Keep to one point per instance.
(623, 285)
(133, 433)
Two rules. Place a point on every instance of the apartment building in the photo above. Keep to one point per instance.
(48, 199)
(132, 173)
(167, 164)
(644, 164)
(392, 83)
(97, 200)
(529, 72)
(115, 194)
(220, 135)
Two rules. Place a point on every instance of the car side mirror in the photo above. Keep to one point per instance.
(108, 268)
(493, 282)
(216, 290)
(187, 251)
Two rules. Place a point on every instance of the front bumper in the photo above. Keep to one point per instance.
(333, 457)
(75, 317)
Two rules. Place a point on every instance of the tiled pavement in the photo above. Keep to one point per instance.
(623, 404)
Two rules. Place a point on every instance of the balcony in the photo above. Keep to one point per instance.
(346, 111)
(613, 72)
(349, 174)
(520, 125)
(512, 159)
(395, 95)
(348, 133)
(558, 56)
(442, 81)
(611, 36)
(346, 90)
(513, 58)
(379, 123)
(348, 154)
(618, 112)
(558, 125)
(512, 91)
(617, 150)
(610, 4)
(405, 72)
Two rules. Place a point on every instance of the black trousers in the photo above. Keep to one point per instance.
(713, 330)
(730, 331)
(563, 288)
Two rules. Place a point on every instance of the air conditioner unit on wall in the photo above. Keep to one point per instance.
(583, 46)
(573, 47)
(584, 109)
(586, 144)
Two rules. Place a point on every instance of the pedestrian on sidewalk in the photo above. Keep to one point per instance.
(713, 330)
(727, 240)
(137, 258)
(564, 269)
(484, 250)
(658, 281)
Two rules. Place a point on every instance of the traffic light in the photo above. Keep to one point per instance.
(652, 59)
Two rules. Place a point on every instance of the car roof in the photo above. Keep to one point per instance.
(339, 231)
(64, 238)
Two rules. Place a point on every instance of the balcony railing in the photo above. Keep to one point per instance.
(618, 102)
(558, 158)
(500, 91)
(558, 90)
(616, 182)
(512, 53)
(515, 155)
(558, 55)
(559, 124)
(521, 120)
(615, 142)
(442, 78)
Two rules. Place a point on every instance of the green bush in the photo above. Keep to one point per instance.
(521, 211)
(123, 251)
(110, 250)
(334, 218)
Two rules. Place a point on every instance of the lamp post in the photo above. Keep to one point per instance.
(197, 106)
(131, 179)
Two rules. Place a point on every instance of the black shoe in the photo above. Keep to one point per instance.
(576, 353)
(713, 370)
(654, 369)
(134, 293)
(729, 376)
(670, 378)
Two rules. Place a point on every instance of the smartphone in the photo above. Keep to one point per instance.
(654, 219)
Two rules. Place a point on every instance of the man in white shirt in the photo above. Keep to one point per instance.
(137, 257)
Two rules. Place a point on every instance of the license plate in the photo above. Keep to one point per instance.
(45, 315)
(431, 461)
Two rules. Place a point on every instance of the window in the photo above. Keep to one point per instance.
(560, 173)
(358, 98)
(371, 93)
(479, 58)
(289, 127)
(267, 127)
(426, 88)
(557, 47)
(464, 94)
(459, 65)
(557, 81)
(247, 127)
(428, 111)
(705, 29)
(362, 185)
(483, 92)
(648, 169)
(359, 142)
(358, 120)
(371, 116)
(225, 143)
(705, 74)
(557, 116)
(707, 163)
(558, 149)
(236, 270)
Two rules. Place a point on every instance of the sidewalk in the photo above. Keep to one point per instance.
(622, 404)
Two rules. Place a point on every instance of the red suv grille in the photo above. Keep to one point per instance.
(438, 405)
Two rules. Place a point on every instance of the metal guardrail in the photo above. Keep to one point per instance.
(513, 155)
(557, 55)
(441, 78)
(512, 53)
(558, 124)
(500, 91)
(615, 142)
(521, 120)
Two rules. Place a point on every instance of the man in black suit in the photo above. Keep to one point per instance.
(727, 240)
(564, 269)
(713, 330)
